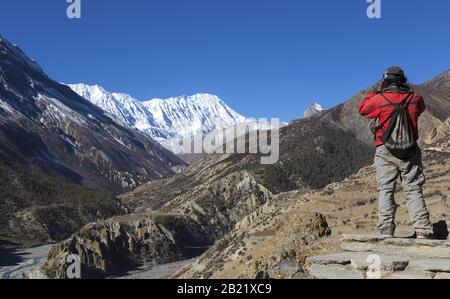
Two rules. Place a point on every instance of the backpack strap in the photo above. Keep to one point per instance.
(408, 100)
(386, 98)
(405, 103)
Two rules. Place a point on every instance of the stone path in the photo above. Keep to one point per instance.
(373, 257)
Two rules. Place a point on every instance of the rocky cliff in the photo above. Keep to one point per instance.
(119, 244)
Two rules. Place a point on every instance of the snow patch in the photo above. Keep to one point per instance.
(313, 110)
(69, 141)
(6, 107)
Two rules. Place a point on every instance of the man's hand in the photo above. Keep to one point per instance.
(384, 84)
(379, 86)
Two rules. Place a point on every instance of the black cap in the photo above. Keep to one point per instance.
(394, 71)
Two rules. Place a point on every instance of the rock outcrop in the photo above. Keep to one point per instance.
(270, 243)
(117, 245)
(375, 257)
(219, 206)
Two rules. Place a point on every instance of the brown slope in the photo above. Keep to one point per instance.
(39, 207)
(436, 93)
(441, 82)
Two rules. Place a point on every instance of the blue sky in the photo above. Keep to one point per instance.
(266, 58)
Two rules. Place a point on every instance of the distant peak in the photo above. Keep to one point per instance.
(96, 91)
(317, 106)
(313, 110)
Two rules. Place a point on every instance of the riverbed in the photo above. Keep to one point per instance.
(14, 264)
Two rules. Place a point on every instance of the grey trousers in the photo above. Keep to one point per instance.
(410, 171)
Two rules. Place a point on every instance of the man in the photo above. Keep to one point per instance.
(380, 104)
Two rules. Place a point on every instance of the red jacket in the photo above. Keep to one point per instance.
(376, 106)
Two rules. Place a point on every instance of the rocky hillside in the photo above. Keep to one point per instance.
(276, 239)
(39, 208)
(119, 244)
(312, 154)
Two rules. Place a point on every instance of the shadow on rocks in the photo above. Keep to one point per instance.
(441, 230)
(10, 257)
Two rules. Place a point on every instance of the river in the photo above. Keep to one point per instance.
(15, 263)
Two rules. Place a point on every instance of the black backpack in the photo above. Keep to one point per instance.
(399, 137)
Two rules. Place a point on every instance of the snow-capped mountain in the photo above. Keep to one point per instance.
(313, 110)
(164, 119)
(190, 115)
